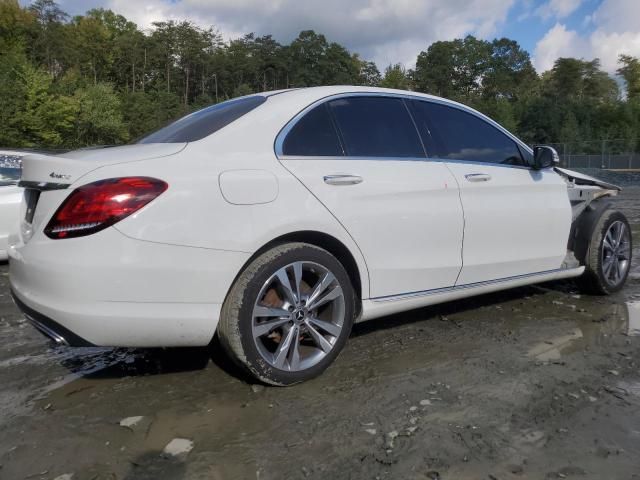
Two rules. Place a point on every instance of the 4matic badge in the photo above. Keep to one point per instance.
(60, 176)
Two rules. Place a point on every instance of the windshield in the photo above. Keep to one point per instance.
(202, 123)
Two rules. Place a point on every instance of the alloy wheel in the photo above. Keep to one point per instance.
(298, 316)
(616, 252)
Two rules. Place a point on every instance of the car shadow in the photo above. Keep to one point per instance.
(101, 363)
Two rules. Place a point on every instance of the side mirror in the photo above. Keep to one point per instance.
(544, 157)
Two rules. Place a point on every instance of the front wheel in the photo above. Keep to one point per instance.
(608, 255)
(288, 314)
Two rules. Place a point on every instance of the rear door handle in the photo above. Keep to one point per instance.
(342, 179)
(478, 177)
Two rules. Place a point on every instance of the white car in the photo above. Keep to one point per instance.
(10, 197)
(277, 220)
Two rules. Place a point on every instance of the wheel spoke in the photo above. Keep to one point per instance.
(607, 265)
(283, 278)
(265, 328)
(297, 275)
(331, 328)
(610, 238)
(281, 353)
(320, 287)
(615, 271)
(623, 251)
(332, 294)
(294, 357)
(620, 232)
(607, 243)
(318, 339)
(263, 311)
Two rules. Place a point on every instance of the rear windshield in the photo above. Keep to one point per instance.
(202, 123)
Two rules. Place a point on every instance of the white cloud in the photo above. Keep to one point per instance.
(558, 42)
(616, 30)
(557, 8)
(386, 31)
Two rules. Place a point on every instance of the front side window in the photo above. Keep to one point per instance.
(203, 123)
(453, 134)
(376, 127)
(313, 135)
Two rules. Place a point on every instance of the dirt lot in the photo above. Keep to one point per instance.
(538, 382)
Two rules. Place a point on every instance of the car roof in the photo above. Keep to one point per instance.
(329, 90)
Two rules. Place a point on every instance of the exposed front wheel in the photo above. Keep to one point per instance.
(608, 255)
(288, 314)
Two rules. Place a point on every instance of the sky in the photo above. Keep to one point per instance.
(390, 31)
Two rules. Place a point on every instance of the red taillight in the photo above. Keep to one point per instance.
(96, 206)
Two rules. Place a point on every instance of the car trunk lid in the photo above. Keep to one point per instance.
(53, 172)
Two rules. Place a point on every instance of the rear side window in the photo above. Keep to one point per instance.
(202, 123)
(451, 133)
(376, 127)
(313, 135)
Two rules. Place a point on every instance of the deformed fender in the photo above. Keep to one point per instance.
(583, 227)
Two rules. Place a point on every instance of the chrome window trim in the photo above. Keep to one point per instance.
(279, 140)
(345, 157)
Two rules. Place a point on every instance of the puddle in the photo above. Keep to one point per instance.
(552, 349)
(616, 319)
(633, 310)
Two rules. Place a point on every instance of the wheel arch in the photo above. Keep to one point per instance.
(583, 226)
(323, 240)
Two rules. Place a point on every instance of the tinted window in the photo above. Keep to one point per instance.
(451, 133)
(313, 135)
(202, 123)
(376, 127)
(528, 156)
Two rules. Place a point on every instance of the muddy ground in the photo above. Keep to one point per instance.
(538, 382)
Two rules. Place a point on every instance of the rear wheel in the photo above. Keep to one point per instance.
(288, 314)
(608, 255)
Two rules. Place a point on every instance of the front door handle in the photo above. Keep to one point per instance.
(342, 179)
(478, 177)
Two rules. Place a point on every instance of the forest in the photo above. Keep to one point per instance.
(100, 79)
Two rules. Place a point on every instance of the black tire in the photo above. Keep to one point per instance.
(594, 281)
(235, 326)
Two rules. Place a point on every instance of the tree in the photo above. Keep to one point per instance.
(395, 76)
(630, 72)
(31, 115)
(453, 69)
(509, 72)
(369, 74)
(16, 26)
(50, 35)
(571, 78)
(99, 120)
(99, 78)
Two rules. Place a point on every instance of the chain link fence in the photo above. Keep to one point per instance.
(604, 154)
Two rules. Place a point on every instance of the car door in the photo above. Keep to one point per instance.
(362, 157)
(517, 219)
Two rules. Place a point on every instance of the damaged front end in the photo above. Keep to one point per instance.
(584, 190)
(587, 196)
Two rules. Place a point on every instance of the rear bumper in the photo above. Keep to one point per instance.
(110, 290)
(49, 328)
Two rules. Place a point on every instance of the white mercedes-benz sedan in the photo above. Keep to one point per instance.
(277, 220)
